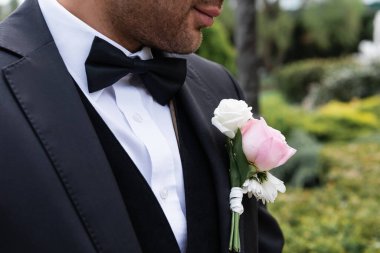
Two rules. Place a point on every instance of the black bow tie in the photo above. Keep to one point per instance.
(105, 65)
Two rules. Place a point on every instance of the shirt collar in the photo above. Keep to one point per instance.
(74, 38)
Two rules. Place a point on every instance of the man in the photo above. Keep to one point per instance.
(98, 151)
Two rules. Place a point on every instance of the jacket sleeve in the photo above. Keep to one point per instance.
(271, 239)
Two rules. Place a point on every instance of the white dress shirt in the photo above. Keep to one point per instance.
(143, 127)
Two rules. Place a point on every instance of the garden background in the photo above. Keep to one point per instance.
(306, 70)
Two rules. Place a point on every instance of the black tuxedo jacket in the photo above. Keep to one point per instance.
(57, 192)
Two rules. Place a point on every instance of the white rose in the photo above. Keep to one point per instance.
(230, 115)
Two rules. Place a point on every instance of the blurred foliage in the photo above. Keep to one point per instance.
(275, 28)
(7, 8)
(296, 80)
(322, 29)
(315, 82)
(279, 114)
(305, 130)
(217, 47)
(344, 121)
(319, 28)
(342, 216)
(327, 24)
(335, 121)
(304, 169)
(347, 83)
(217, 44)
(371, 105)
(228, 19)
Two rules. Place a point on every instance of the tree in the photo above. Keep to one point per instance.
(337, 21)
(247, 61)
(327, 29)
(275, 29)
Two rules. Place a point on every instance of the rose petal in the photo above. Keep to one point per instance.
(266, 158)
(289, 153)
(273, 153)
(253, 134)
(229, 133)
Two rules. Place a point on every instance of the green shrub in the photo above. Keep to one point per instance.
(337, 121)
(295, 80)
(279, 114)
(305, 168)
(348, 83)
(274, 34)
(343, 215)
(327, 23)
(371, 105)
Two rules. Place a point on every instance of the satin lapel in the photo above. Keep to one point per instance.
(199, 105)
(49, 99)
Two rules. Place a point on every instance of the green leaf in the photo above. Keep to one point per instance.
(234, 171)
(241, 161)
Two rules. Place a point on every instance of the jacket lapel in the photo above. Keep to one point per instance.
(200, 104)
(200, 112)
(48, 97)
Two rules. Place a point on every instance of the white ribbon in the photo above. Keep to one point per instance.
(236, 197)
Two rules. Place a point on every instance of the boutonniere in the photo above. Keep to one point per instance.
(254, 149)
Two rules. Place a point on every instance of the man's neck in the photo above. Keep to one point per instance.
(99, 20)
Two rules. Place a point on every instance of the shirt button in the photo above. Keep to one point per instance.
(137, 117)
(164, 194)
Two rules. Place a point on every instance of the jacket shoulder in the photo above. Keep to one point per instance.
(203, 66)
(213, 76)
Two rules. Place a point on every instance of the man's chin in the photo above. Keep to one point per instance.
(187, 47)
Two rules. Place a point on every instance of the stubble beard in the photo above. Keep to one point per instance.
(161, 34)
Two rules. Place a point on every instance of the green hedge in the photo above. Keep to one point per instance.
(348, 83)
(305, 168)
(279, 114)
(342, 216)
(335, 121)
(318, 81)
(296, 80)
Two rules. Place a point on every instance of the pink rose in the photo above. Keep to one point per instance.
(264, 146)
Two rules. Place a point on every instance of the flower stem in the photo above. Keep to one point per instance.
(236, 246)
(232, 231)
(234, 236)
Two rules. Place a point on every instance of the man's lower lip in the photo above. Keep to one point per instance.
(204, 19)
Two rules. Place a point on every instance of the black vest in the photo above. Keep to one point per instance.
(149, 221)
